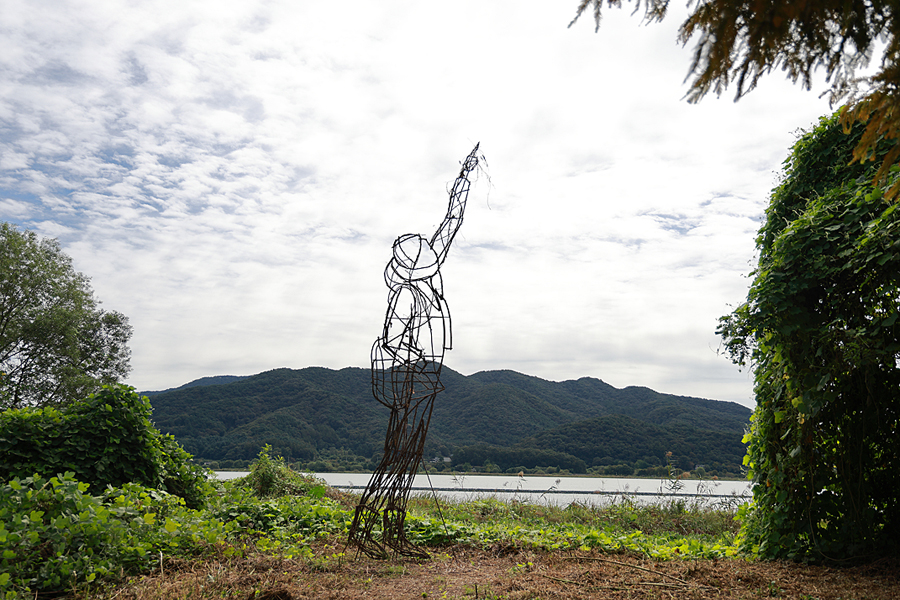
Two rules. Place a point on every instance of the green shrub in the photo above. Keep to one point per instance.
(106, 439)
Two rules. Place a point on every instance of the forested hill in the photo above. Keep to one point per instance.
(215, 380)
(503, 418)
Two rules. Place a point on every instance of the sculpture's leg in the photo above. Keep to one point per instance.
(366, 516)
(386, 496)
(375, 497)
(409, 457)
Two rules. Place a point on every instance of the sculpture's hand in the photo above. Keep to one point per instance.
(442, 238)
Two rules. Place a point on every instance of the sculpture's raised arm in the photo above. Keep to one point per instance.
(440, 242)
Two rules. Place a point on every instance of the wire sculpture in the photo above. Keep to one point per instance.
(406, 374)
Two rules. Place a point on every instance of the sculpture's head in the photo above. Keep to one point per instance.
(413, 259)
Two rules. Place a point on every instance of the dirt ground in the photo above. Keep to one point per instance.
(466, 573)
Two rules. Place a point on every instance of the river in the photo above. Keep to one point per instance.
(552, 490)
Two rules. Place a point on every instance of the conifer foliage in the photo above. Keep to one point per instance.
(739, 41)
(820, 327)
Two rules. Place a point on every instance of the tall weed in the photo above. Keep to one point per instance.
(271, 477)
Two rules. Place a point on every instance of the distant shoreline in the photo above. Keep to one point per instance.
(547, 475)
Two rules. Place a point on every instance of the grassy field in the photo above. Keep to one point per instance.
(277, 535)
(521, 551)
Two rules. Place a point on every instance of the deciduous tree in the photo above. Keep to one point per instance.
(56, 344)
(739, 41)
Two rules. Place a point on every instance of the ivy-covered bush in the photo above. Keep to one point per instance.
(821, 329)
(55, 535)
(106, 439)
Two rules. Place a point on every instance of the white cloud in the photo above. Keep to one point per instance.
(232, 175)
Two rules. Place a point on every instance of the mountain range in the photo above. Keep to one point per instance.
(503, 418)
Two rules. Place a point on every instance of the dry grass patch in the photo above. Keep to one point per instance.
(504, 572)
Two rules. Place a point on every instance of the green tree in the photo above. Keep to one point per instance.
(821, 328)
(739, 41)
(56, 344)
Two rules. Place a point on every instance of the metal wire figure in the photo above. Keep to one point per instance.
(406, 374)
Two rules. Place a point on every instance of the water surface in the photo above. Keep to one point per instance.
(549, 489)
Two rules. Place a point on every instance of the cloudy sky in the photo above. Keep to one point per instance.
(231, 176)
